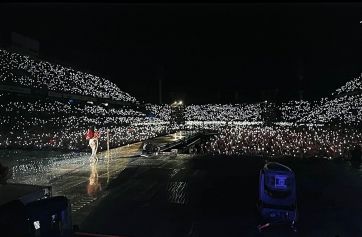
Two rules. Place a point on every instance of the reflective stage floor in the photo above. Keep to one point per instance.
(185, 195)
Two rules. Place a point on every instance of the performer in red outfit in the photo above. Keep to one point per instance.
(92, 136)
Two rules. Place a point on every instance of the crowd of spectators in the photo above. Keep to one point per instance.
(294, 111)
(344, 106)
(345, 109)
(219, 112)
(350, 86)
(326, 128)
(16, 69)
(40, 123)
(282, 141)
(162, 112)
(44, 123)
(303, 128)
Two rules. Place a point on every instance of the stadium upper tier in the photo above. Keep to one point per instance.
(351, 86)
(344, 109)
(16, 69)
(343, 106)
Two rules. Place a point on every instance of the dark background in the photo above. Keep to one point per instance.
(203, 53)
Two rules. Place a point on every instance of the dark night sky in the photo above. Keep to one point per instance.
(203, 52)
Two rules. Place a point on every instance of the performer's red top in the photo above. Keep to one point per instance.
(90, 134)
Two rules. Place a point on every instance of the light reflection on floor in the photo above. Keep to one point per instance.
(69, 173)
(81, 179)
(73, 174)
(177, 192)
